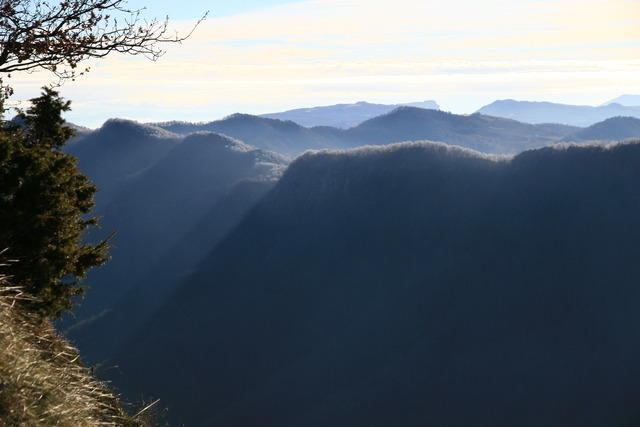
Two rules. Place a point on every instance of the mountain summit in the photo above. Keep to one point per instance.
(627, 100)
(480, 132)
(416, 284)
(613, 129)
(342, 115)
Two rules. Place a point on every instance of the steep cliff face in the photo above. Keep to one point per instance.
(416, 284)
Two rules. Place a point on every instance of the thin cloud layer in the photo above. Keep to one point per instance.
(462, 53)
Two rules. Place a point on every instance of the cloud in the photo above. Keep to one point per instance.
(325, 51)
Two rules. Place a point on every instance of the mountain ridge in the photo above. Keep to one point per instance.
(413, 284)
(496, 135)
(613, 129)
(627, 100)
(342, 116)
(547, 112)
(165, 183)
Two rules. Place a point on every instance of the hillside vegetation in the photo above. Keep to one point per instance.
(172, 198)
(42, 381)
(416, 284)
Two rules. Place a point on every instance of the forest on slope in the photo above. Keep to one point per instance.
(338, 267)
(408, 284)
(171, 198)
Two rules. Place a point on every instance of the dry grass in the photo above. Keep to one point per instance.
(42, 381)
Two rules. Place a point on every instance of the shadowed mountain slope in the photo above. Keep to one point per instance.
(482, 133)
(548, 112)
(342, 115)
(416, 284)
(156, 206)
(613, 129)
(275, 135)
(104, 336)
(117, 151)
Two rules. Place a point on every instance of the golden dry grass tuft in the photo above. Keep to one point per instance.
(42, 381)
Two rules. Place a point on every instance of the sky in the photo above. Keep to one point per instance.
(260, 56)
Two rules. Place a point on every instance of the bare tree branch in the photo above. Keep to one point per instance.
(58, 35)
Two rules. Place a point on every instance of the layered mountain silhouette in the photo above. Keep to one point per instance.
(483, 133)
(548, 112)
(275, 135)
(479, 132)
(415, 284)
(159, 186)
(614, 129)
(169, 197)
(118, 151)
(342, 115)
(412, 284)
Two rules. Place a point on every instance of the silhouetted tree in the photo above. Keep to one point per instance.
(43, 121)
(44, 203)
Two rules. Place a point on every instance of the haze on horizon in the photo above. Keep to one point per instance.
(266, 56)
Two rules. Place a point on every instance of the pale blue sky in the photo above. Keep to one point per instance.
(269, 55)
(189, 9)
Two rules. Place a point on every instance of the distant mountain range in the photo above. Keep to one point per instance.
(368, 285)
(342, 116)
(417, 284)
(479, 132)
(628, 100)
(483, 133)
(547, 112)
(276, 135)
(171, 197)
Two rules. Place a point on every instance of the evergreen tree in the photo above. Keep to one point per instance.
(43, 122)
(44, 208)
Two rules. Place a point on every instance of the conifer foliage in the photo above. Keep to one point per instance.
(45, 205)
